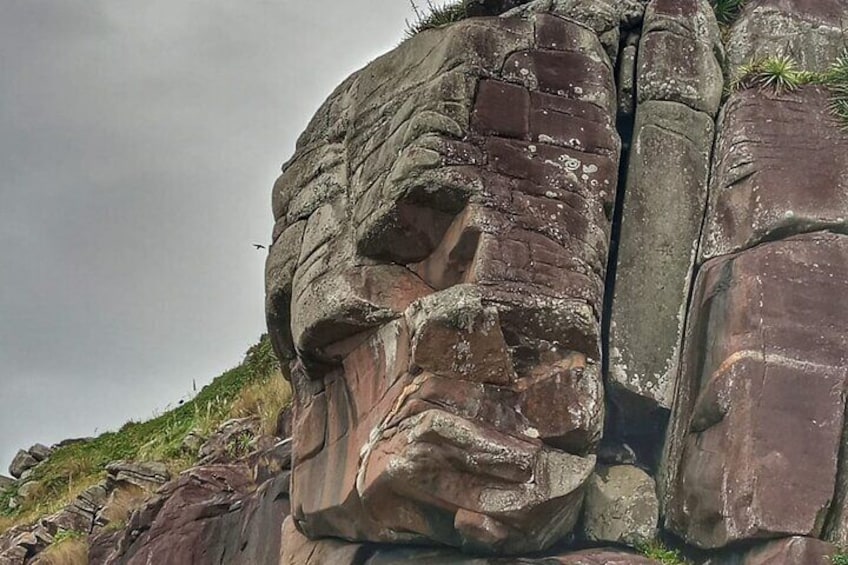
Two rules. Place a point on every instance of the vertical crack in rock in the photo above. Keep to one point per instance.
(678, 90)
(613, 452)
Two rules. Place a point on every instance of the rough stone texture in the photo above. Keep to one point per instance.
(621, 506)
(438, 273)
(780, 168)
(6, 482)
(662, 216)
(477, 8)
(792, 551)
(811, 31)
(756, 431)
(300, 550)
(21, 463)
(681, 55)
(40, 452)
(226, 513)
(679, 86)
(149, 475)
(605, 17)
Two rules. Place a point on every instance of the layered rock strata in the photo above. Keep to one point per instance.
(452, 238)
(442, 255)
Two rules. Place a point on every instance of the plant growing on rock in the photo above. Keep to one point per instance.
(726, 11)
(780, 73)
(434, 16)
(837, 80)
(659, 552)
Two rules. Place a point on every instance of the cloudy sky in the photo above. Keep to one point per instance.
(139, 140)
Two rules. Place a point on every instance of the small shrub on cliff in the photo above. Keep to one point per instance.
(435, 15)
(840, 558)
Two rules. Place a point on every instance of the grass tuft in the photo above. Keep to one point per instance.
(68, 548)
(841, 558)
(73, 468)
(779, 73)
(435, 16)
(726, 11)
(658, 551)
(836, 80)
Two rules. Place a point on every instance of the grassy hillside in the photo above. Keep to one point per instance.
(255, 387)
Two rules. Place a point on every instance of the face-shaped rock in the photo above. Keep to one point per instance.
(437, 277)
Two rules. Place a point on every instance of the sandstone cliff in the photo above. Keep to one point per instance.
(566, 279)
(562, 282)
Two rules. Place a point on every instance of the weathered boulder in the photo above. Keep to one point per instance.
(811, 31)
(605, 17)
(779, 169)
(438, 272)
(621, 506)
(148, 475)
(28, 489)
(792, 551)
(40, 452)
(22, 463)
(223, 513)
(755, 435)
(230, 441)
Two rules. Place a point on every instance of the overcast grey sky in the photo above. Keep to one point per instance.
(138, 144)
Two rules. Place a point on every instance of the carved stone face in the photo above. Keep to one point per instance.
(437, 278)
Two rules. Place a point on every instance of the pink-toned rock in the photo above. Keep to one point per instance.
(754, 440)
(780, 169)
(792, 551)
(444, 292)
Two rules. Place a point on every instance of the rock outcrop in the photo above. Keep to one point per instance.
(518, 244)
(441, 255)
(473, 300)
(552, 289)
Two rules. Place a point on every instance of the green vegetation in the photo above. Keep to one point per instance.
(435, 15)
(837, 81)
(780, 73)
(726, 11)
(658, 551)
(255, 387)
(68, 548)
(840, 558)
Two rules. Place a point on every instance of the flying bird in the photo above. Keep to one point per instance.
(258, 246)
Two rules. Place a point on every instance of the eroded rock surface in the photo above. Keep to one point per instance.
(779, 169)
(621, 506)
(679, 84)
(761, 405)
(438, 274)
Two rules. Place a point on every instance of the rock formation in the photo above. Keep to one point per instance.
(546, 283)
(553, 288)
